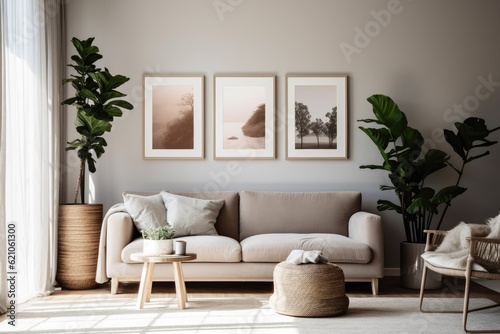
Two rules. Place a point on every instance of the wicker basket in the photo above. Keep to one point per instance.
(78, 242)
(309, 290)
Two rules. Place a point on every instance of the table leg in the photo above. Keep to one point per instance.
(145, 285)
(149, 286)
(180, 286)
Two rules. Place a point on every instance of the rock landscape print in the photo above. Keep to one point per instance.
(173, 119)
(244, 117)
(315, 117)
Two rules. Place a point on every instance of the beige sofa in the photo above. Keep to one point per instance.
(257, 230)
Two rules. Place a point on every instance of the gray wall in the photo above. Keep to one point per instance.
(432, 57)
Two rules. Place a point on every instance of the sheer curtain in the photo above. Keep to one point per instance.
(32, 69)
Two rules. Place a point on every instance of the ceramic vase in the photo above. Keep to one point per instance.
(158, 247)
(411, 267)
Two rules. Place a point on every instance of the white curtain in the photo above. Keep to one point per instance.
(3, 245)
(32, 70)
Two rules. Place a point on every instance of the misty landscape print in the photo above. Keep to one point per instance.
(244, 117)
(315, 117)
(173, 118)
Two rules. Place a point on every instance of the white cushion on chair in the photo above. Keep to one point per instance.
(444, 260)
(454, 250)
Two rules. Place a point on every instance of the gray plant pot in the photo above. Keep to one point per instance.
(412, 265)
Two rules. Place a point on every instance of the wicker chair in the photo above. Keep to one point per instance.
(483, 251)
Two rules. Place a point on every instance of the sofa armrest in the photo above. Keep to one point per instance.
(119, 234)
(367, 228)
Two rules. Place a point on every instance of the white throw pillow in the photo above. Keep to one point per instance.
(146, 211)
(191, 216)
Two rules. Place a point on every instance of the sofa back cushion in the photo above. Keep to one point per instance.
(296, 212)
(227, 220)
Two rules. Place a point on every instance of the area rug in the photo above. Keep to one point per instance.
(118, 314)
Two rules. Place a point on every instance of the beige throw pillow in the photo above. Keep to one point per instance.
(146, 211)
(191, 216)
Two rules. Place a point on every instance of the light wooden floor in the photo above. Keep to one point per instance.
(389, 287)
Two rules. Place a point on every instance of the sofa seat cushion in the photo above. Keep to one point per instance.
(208, 248)
(275, 247)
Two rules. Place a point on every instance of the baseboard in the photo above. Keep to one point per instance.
(493, 285)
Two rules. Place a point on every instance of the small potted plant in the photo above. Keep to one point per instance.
(158, 240)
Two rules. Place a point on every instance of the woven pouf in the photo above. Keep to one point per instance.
(309, 290)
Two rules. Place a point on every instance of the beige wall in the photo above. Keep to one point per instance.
(435, 58)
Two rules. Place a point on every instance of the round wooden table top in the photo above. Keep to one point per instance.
(141, 257)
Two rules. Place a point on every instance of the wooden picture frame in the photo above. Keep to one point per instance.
(316, 116)
(174, 116)
(245, 112)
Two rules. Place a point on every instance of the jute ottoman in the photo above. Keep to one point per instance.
(309, 290)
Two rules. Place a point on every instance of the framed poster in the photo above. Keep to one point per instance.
(173, 117)
(316, 117)
(245, 112)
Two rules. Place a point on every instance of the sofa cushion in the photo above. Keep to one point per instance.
(228, 220)
(191, 216)
(208, 248)
(146, 211)
(275, 247)
(296, 212)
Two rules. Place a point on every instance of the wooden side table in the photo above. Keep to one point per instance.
(147, 275)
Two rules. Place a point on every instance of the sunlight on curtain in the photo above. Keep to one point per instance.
(32, 45)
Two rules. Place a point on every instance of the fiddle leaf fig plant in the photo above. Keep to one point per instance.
(403, 157)
(97, 102)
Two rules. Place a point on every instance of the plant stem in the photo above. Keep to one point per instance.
(80, 183)
(460, 173)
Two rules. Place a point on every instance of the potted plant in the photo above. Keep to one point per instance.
(158, 240)
(409, 168)
(97, 102)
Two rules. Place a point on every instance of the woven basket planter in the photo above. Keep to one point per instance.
(78, 243)
(309, 290)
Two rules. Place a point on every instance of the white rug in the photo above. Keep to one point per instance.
(117, 314)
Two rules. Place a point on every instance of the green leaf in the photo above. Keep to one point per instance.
(122, 104)
(455, 142)
(388, 113)
(412, 140)
(421, 204)
(70, 101)
(380, 137)
(372, 167)
(113, 94)
(116, 81)
(88, 94)
(434, 160)
(91, 164)
(446, 194)
(384, 205)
